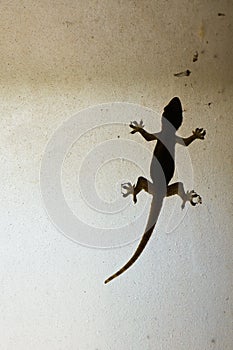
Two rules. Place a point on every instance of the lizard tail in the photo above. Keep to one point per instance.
(153, 216)
(140, 248)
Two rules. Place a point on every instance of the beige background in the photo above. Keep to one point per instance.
(58, 57)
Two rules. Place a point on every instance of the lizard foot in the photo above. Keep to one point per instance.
(127, 189)
(136, 126)
(192, 197)
(199, 133)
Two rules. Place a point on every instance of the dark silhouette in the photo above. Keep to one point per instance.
(161, 170)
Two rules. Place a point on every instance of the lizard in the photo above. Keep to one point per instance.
(161, 170)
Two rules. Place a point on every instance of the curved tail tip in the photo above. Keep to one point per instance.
(107, 280)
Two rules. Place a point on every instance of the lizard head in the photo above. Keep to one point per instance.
(173, 112)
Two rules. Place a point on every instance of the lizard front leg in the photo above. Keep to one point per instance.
(198, 133)
(139, 127)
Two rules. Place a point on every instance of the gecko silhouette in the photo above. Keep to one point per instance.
(161, 170)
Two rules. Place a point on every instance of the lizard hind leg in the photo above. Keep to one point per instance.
(189, 196)
(142, 184)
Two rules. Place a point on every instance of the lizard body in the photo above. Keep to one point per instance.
(161, 170)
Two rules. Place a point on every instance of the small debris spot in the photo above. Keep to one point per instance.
(213, 341)
(67, 23)
(186, 73)
(221, 14)
(118, 136)
(195, 56)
